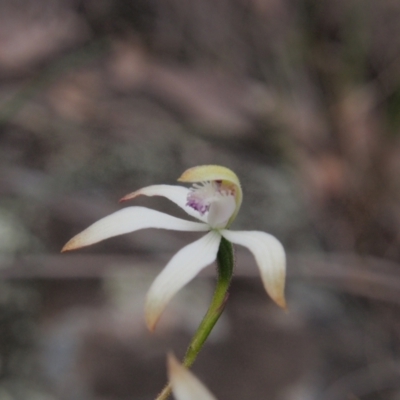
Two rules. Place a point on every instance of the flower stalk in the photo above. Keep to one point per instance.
(225, 265)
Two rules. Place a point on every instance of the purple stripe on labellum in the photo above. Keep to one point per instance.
(202, 195)
(194, 203)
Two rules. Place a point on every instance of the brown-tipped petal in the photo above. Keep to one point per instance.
(181, 269)
(270, 258)
(128, 220)
(185, 385)
(72, 244)
(176, 194)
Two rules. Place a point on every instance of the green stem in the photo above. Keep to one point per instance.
(226, 262)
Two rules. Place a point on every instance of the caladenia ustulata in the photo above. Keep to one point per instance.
(214, 199)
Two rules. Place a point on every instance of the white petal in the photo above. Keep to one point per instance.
(270, 257)
(177, 194)
(127, 220)
(185, 385)
(182, 268)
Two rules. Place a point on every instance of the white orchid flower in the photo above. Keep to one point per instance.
(185, 385)
(214, 199)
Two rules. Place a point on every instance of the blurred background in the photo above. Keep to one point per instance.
(301, 98)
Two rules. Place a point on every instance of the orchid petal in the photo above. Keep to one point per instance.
(205, 173)
(127, 220)
(185, 385)
(181, 269)
(177, 194)
(270, 257)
